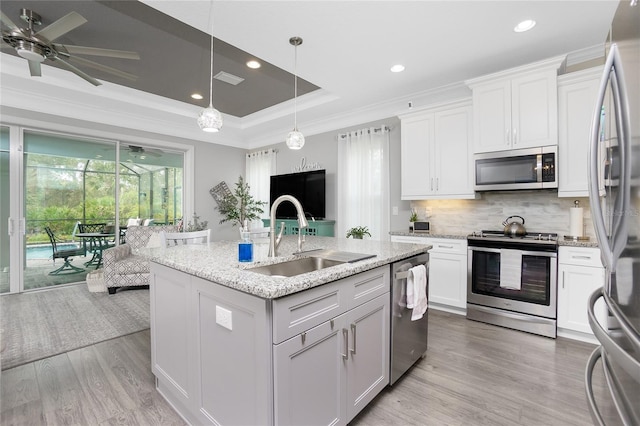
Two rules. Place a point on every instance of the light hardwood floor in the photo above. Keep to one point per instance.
(474, 374)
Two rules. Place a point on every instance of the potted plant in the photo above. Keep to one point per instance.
(358, 232)
(240, 207)
(413, 218)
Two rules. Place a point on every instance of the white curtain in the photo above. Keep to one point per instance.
(363, 176)
(260, 166)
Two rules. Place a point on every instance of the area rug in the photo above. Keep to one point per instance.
(41, 324)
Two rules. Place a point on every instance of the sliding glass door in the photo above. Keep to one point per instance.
(5, 214)
(54, 186)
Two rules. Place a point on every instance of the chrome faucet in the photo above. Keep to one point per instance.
(302, 223)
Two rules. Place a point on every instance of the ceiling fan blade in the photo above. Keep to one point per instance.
(62, 26)
(35, 69)
(8, 22)
(95, 51)
(76, 71)
(104, 68)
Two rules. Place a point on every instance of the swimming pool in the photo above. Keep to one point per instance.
(45, 251)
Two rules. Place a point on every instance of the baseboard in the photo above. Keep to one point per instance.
(446, 308)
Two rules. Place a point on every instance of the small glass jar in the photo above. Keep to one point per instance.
(245, 248)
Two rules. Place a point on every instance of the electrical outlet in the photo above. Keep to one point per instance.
(394, 210)
(224, 317)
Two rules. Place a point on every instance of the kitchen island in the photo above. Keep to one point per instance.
(231, 346)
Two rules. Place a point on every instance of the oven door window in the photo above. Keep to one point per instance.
(536, 278)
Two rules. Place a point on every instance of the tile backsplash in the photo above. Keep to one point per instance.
(542, 210)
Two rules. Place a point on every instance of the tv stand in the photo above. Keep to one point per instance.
(322, 228)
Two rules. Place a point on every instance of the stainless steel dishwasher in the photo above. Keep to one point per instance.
(408, 338)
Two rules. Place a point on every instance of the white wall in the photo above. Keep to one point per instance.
(213, 164)
(323, 149)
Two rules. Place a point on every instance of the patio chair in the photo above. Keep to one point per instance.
(170, 239)
(66, 254)
(123, 265)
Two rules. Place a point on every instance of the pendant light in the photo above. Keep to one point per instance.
(295, 139)
(210, 119)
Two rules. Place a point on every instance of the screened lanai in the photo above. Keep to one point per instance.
(72, 181)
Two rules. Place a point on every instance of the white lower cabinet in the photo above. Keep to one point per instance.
(221, 356)
(447, 271)
(580, 273)
(327, 374)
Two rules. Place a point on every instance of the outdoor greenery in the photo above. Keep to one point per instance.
(240, 205)
(61, 191)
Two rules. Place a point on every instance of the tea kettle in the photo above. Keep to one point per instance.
(514, 229)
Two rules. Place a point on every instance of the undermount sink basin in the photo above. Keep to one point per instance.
(295, 267)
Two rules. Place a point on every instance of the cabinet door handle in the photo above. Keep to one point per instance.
(303, 336)
(431, 184)
(345, 335)
(515, 136)
(353, 331)
(437, 184)
(447, 247)
(508, 136)
(563, 279)
(581, 257)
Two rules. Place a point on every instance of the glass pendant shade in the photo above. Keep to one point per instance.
(210, 119)
(295, 139)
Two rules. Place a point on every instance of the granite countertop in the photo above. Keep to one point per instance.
(569, 243)
(429, 235)
(592, 243)
(218, 262)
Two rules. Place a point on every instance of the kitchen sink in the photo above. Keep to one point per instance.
(296, 267)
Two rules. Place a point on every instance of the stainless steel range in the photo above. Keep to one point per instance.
(512, 280)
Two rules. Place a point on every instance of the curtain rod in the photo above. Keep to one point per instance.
(382, 128)
(266, 151)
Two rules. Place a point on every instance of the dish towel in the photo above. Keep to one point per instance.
(417, 291)
(511, 269)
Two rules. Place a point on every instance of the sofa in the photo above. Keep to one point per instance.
(123, 266)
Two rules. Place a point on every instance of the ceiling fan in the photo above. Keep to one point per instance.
(38, 46)
(139, 152)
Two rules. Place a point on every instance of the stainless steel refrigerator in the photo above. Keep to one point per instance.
(614, 192)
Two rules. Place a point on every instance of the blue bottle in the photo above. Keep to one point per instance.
(245, 248)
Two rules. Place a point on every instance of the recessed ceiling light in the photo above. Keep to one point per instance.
(197, 96)
(253, 64)
(397, 68)
(525, 25)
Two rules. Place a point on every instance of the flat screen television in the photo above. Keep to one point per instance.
(307, 187)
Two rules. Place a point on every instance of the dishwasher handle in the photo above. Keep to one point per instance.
(403, 275)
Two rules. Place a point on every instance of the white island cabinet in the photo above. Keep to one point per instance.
(254, 349)
(516, 108)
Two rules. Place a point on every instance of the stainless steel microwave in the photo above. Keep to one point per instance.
(530, 168)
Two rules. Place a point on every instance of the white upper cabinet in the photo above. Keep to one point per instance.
(577, 94)
(516, 108)
(435, 153)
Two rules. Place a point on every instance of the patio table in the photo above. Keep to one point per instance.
(100, 241)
